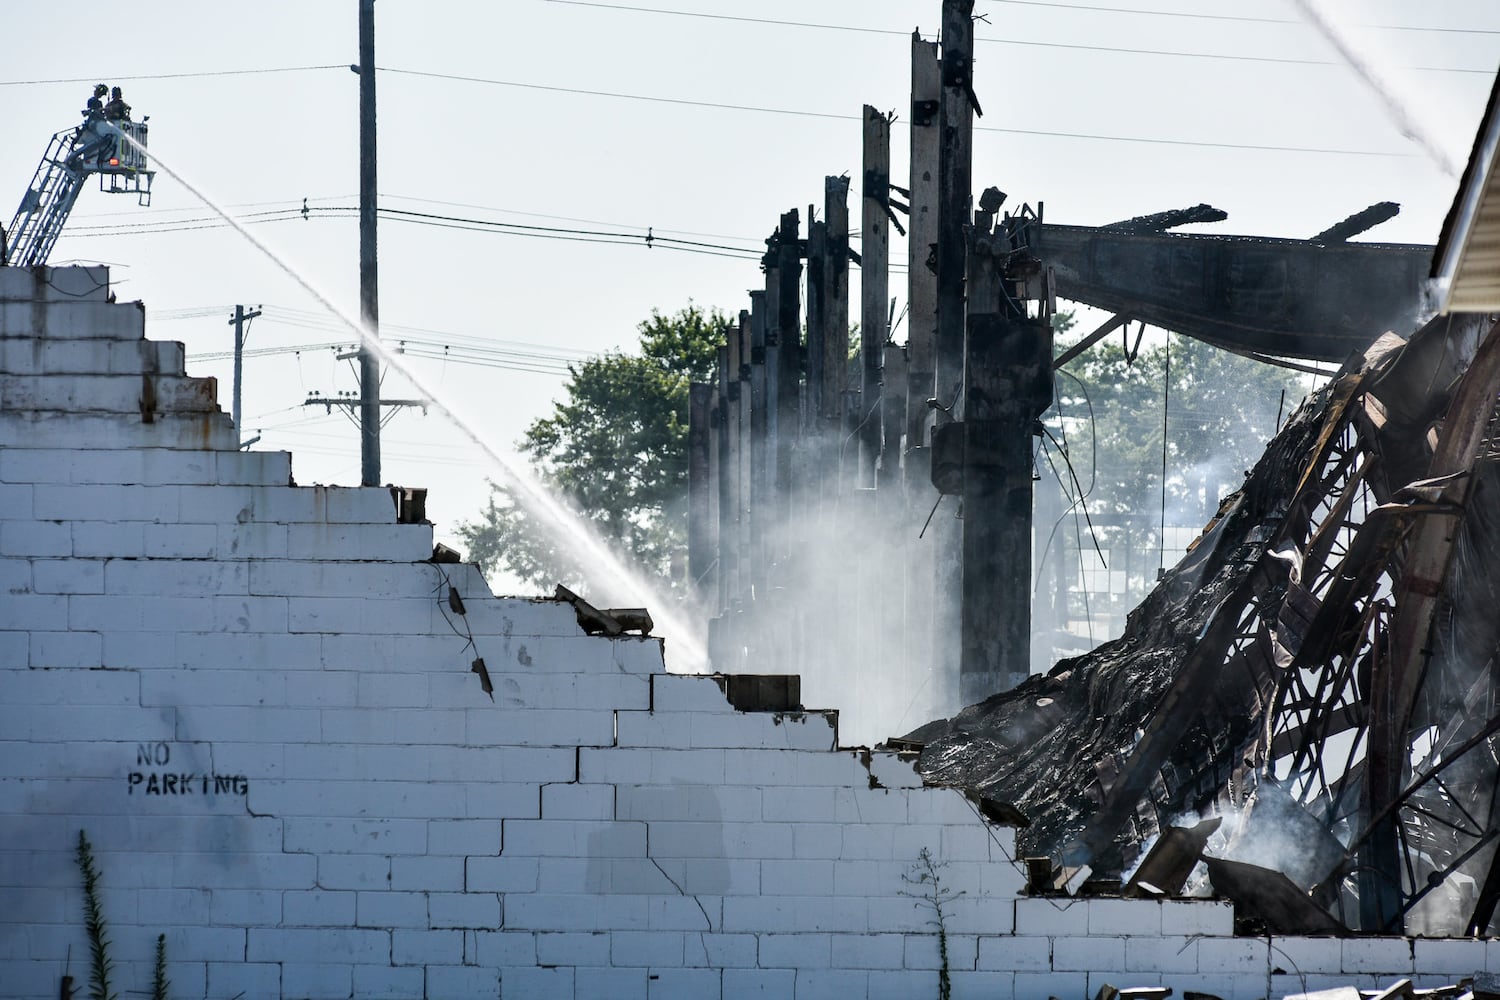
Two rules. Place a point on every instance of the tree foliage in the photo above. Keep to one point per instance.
(614, 449)
(1221, 409)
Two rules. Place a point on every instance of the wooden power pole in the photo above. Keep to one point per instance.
(369, 286)
(955, 187)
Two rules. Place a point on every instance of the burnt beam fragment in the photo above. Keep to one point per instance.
(1160, 222)
(1357, 223)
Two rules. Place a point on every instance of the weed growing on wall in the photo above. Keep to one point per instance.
(100, 964)
(927, 886)
(159, 982)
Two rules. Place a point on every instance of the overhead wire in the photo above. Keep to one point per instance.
(832, 116)
(983, 39)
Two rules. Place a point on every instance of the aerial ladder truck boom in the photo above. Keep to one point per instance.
(114, 148)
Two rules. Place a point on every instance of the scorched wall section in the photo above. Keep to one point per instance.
(256, 700)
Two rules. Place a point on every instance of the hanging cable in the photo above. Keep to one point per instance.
(1166, 397)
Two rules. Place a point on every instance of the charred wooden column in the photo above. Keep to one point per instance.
(701, 469)
(874, 286)
(728, 410)
(743, 476)
(817, 294)
(835, 303)
(921, 244)
(788, 326)
(921, 298)
(955, 163)
(1007, 386)
(753, 559)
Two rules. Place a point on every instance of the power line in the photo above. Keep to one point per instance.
(1233, 17)
(843, 117)
(176, 76)
(990, 39)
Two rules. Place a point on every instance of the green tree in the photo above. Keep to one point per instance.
(1221, 410)
(614, 449)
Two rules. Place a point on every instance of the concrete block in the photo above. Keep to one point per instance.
(1142, 954)
(754, 984)
(159, 907)
(1451, 958)
(1206, 916)
(669, 984)
(67, 576)
(501, 800)
(1138, 917)
(427, 947)
(251, 979)
(580, 802)
(464, 836)
(573, 948)
(353, 871)
(633, 949)
(507, 874)
(543, 984)
(36, 612)
(318, 946)
(617, 984)
(539, 727)
(867, 951)
(251, 541)
(427, 874)
(811, 841)
(692, 803)
(98, 540)
(796, 878)
(713, 876)
(392, 691)
(893, 770)
(212, 687)
(502, 948)
(787, 914)
(317, 908)
(36, 538)
(1047, 917)
(574, 838)
(816, 985)
(687, 693)
(316, 980)
(393, 542)
(473, 910)
(1015, 954)
(384, 982)
(795, 951)
(977, 912)
(1042, 985)
(893, 984)
(1380, 956)
(246, 907)
(180, 541)
(1233, 956)
(204, 944)
(54, 650)
(566, 912)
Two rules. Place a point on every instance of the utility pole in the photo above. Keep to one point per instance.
(369, 286)
(241, 323)
(955, 187)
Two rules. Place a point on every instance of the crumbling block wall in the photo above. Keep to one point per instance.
(256, 700)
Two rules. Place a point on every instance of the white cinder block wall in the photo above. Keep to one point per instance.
(254, 699)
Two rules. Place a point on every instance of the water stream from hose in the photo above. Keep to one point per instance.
(688, 651)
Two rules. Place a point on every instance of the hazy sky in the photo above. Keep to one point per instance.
(1070, 93)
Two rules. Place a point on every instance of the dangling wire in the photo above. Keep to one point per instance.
(1166, 397)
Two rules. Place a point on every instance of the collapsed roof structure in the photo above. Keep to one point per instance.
(1320, 671)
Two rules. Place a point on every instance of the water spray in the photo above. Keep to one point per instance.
(1410, 125)
(570, 530)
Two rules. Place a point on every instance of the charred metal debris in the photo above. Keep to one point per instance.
(1308, 702)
